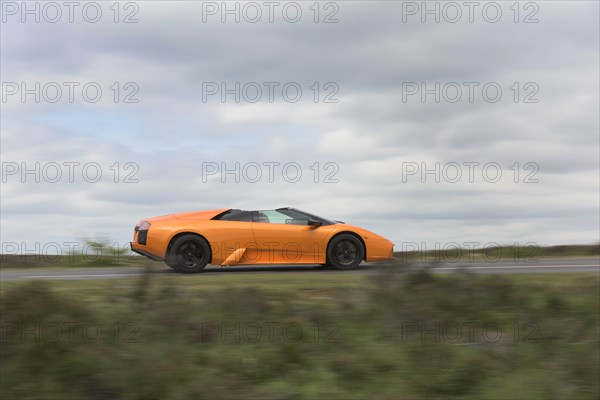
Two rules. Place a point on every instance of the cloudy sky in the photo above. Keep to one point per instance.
(425, 122)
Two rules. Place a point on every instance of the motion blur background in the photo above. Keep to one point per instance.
(430, 123)
(373, 121)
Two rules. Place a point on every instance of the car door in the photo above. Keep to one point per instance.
(286, 238)
(230, 237)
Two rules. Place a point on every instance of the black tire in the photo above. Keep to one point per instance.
(345, 252)
(189, 254)
(172, 266)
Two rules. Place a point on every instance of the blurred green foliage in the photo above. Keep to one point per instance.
(531, 251)
(101, 252)
(83, 252)
(164, 339)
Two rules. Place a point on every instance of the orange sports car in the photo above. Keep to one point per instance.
(187, 242)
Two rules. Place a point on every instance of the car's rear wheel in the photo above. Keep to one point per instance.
(345, 252)
(189, 254)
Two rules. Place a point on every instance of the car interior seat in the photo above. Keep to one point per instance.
(262, 217)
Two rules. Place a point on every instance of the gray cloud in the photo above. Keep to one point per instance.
(369, 133)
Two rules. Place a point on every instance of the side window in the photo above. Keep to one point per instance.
(294, 217)
(237, 215)
(261, 216)
(289, 217)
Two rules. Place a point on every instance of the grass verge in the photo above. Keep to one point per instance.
(102, 254)
(527, 252)
(393, 334)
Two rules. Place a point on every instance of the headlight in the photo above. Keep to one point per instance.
(142, 226)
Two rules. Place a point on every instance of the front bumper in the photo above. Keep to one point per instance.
(379, 250)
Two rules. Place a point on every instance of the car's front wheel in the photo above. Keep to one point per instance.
(345, 252)
(189, 254)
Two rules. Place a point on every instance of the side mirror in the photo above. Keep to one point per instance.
(314, 222)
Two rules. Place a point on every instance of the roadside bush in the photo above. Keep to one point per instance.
(383, 340)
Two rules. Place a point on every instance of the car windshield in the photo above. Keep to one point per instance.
(296, 214)
(285, 215)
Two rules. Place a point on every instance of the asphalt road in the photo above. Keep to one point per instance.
(480, 267)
